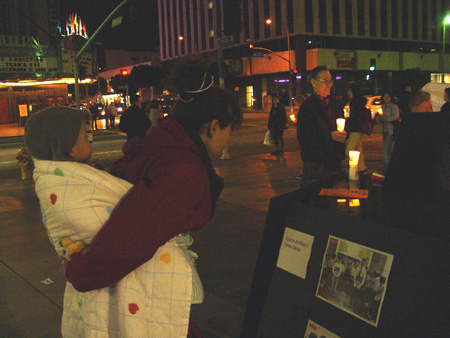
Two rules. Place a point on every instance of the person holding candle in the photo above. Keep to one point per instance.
(357, 107)
(322, 146)
(390, 118)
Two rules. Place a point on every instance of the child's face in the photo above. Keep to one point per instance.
(82, 150)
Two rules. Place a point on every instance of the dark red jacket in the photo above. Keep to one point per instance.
(175, 190)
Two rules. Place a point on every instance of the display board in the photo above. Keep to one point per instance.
(405, 269)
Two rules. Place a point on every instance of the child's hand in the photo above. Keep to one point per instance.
(72, 247)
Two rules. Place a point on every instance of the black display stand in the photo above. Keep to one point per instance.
(280, 303)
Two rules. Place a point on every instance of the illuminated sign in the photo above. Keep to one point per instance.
(74, 26)
(85, 60)
(10, 64)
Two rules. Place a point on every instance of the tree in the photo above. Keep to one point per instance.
(120, 83)
(145, 76)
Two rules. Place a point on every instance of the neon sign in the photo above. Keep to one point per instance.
(74, 26)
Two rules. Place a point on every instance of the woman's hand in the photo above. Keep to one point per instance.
(339, 136)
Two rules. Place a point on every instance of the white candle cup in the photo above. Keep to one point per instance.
(340, 124)
(353, 173)
(353, 157)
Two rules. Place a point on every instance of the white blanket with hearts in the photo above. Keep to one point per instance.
(152, 301)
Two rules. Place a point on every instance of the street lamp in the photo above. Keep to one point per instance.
(445, 23)
(181, 38)
(269, 21)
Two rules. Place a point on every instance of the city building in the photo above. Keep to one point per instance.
(365, 41)
(36, 57)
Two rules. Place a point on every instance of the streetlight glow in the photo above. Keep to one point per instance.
(180, 38)
(268, 21)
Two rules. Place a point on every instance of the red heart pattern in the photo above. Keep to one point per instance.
(53, 198)
(133, 308)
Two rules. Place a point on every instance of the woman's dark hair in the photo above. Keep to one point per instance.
(356, 90)
(447, 91)
(200, 102)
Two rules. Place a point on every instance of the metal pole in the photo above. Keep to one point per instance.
(219, 44)
(443, 53)
(76, 57)
(289, 57)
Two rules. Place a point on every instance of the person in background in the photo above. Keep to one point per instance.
(155, 113)
(421, 102)
(277, 124)
(322, 146)
(446, 106)
(111, 113)
(93, 109)
(175, 187)
(389, 119)
(403, 99)
(134, 122)
(352, 126)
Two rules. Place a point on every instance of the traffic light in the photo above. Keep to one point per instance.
(250, 46)
(123, 76)
(293, 80)
(373, 64)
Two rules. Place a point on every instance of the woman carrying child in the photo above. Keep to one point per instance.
(174, 191)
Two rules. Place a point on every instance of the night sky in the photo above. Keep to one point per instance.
(138, 32)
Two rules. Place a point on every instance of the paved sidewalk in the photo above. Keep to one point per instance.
(227, 248)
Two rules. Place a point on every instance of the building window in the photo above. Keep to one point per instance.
(425, 5)
(290, 15)
(373, 18)
(361, 21)
(322, 16)
(309, 16)
(203, 24)
(246, 20)
(278, 21)
(415, 15)
(266, 16)
(348, 17)
(384, 23)
(433, 21)
(394, 12)
(405, 27)
(336, 18)
(256, 21)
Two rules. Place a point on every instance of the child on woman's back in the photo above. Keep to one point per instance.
(76, 200)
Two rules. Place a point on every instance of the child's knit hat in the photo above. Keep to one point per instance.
(51, 133)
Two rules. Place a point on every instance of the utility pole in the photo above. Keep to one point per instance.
(77, 56)
(219, 42)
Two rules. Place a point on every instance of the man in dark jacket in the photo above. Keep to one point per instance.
(134, 122)
(403, 99)
(322, 146)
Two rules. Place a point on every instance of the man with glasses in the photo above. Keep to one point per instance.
(322, 146)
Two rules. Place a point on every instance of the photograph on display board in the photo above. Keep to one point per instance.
(315, 331)
(354, 278)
